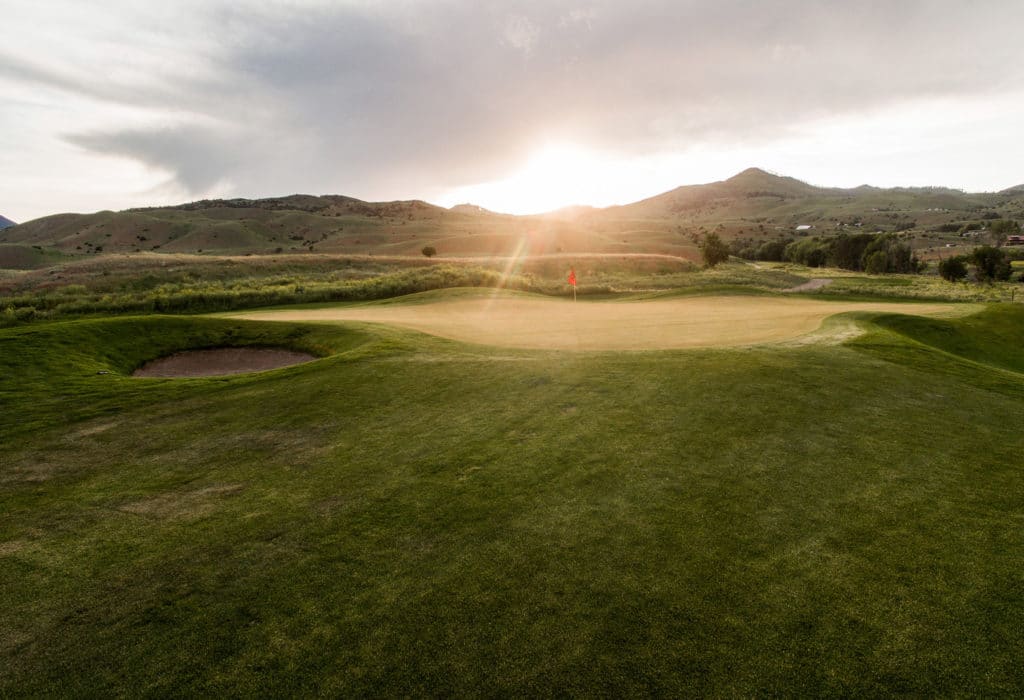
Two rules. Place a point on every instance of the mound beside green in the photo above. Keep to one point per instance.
(413, 516)
(994, 337)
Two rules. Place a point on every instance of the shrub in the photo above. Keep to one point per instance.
(990, 264)
(429, 250)
(953, 269)
(25, 313)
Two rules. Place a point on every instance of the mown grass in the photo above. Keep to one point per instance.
(412, 516)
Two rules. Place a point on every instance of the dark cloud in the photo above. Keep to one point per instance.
(199, 158)
(409, 97)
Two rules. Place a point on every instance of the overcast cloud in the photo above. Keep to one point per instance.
(399, 99)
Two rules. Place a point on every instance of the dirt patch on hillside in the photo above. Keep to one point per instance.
(220, 361)
(645, 325)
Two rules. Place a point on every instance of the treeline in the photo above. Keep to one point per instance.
(874, 253)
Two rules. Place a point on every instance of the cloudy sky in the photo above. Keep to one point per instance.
(517, 106)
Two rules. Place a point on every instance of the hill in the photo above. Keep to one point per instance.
(753, 204)
(752, 183)
(6, 223)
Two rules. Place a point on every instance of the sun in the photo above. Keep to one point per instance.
(562, 174)
(554, 176)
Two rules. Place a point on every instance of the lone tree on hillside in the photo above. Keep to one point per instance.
(713, 250)
(953, 269)
(430, 251)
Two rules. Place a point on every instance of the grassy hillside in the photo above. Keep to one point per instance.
(412, 516)
(28, 257)
(754, 204)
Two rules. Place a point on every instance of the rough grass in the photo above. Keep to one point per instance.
(411, 516)
(849, 284)
(190, 284)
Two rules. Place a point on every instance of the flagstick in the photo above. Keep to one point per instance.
(574, 292)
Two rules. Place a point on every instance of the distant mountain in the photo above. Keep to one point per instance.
(469, 209)
(6, 223)
(753, 205)
(752, 183)
(328, 205)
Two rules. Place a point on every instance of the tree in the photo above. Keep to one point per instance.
(991, 264)
(848, 250)
(998, 231)
(430, 251)
(773, 250)
(877, 263)
(808, 251)
(713, 250)
(902, 259)
(953, 269)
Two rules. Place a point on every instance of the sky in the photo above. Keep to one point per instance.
(515, 106)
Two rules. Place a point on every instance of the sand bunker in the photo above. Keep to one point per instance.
(220, 361)
(686, 322)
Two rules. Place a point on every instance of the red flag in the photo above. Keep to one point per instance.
(572, 277)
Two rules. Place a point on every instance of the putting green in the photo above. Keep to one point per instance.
(540, 323)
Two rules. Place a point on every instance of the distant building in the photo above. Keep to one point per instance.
(1015, 240)
(804, 227)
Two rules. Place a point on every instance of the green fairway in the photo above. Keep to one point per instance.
(410, 515)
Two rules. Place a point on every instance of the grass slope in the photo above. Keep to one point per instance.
(414, 516)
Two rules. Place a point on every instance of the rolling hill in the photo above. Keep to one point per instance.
(6, 223)
(753, 204)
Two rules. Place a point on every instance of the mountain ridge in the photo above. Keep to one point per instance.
(753, 204)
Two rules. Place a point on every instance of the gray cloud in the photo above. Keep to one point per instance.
(199, 158)
(410, 97)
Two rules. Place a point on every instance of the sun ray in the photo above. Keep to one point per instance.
(513, 265)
